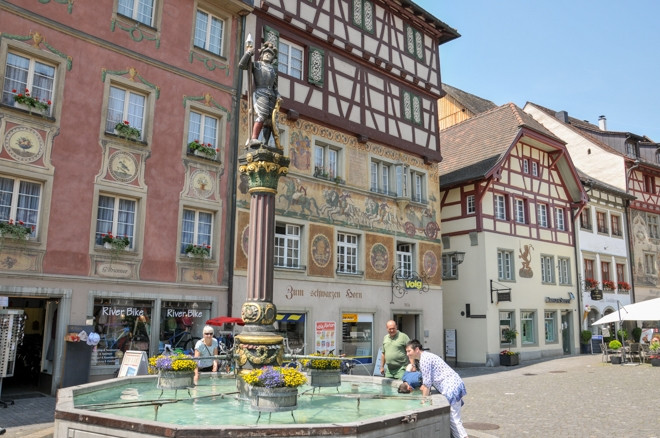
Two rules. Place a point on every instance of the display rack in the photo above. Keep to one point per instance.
(11, 335)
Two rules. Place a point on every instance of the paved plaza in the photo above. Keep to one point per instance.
(575, 396)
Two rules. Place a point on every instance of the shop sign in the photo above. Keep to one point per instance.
(178, 313)
(557, 300)
(413, 283)
(122, 311)
(349, 317)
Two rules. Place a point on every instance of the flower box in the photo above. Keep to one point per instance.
(168, 379)
(273, 399)
(23, 107)
(509, 360)
(324, 378)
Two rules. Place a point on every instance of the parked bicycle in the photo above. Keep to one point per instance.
(183, 340)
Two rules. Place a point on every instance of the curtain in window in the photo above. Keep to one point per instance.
(6, 193)
(145, 12)
(115, 108)
(215, 40)
(28, 203)
(42, 82)
(136, 110)
(16, 76)
(126, 219)
(200, 29)
(104, 219)
(204, 229)
(187, 229)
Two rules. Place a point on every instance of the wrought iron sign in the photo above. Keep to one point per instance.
(503, 293)
(403, 281)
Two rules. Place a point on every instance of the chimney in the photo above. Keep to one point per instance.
(602, 123)
(562, 116)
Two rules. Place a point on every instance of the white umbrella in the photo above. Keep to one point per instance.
(643, 311)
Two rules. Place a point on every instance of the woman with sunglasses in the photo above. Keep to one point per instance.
(206, 347)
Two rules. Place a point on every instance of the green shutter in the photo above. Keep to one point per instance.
(316, 66)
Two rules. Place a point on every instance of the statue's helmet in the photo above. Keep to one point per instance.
(268, 47)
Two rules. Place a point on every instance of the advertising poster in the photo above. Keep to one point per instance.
(325, 342)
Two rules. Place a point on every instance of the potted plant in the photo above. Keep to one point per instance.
(591, 283)
(325, 372)
(202, 150)
(124, 129)
(274, 389)
(609, 285)
(585, 340)
(175, 371)
(115, 244)
(623, 286)
(15, 230)
(654, 348)
(615, 345)
(29, 103)
(508, 357)
(199, 253)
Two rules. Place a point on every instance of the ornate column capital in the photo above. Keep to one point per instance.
(264, 166)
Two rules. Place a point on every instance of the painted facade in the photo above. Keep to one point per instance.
(69, 173)
(358, 209)
(509, 193)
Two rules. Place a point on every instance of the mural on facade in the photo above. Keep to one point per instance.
(525, 254)
(643, 245)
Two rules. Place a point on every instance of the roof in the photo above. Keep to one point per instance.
(446, 33)
(475, 104)
(474, 147)
(600, 185)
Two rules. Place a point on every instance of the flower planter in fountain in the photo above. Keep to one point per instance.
(273, 399)
(324, 378)
(168, 379)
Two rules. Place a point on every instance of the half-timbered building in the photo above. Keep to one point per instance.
(113, 217)
(509, 193)
(357, 216)
(458, 105)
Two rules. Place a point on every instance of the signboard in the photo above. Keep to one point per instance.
(134, 364)
(450, 345)
(379, 358)
(325, 341)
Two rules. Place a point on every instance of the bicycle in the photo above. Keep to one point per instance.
(183, 340)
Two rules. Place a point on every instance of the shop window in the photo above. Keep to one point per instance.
(291, 326)
(357, 341)
(181, 324)
(527, 327)
(550, 324)
(123, 324)
(506, 323)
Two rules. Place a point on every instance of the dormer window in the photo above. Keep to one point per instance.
(631, 149)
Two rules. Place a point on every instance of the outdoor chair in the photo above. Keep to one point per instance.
(644, 352)
(605, 356)
(635, 352)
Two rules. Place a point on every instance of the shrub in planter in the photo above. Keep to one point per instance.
(585, 340)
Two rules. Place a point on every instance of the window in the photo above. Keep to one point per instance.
(652, 224)
(116, 215)
(287, 245)
(22, 73)
(347, 253)
(605, 270)
(138, 10)
(525, 165)
(470, 206)
(357, 330)
(649, 264)
(649, 184)
(415, 42)
(125, 105)
(631, 149)
(506, 323)
(290, 59)
(615, 220)
(585, 219)
(564, 268)
(418, 187)
(550, 327)
(520, 211)
(601, 222)
(620, 269)
(449, 267)
(542, 215)
(527, 327)
(380, 178)
(588, 268)
(363, 15)
(203, 128)
(500, 207)
(209, 32)
(404, 259)
(535, 168)
(505, 265)
(196, 229)
(559, 219)
(19, 201)
(326, 161)
(547, 269)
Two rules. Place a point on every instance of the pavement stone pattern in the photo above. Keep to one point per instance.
(569, 397)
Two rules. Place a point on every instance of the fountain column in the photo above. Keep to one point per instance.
(258, 344)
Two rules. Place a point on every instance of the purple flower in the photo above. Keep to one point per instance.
(271, 378)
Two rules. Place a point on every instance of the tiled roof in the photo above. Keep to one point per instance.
(475, 104)
(472, 148)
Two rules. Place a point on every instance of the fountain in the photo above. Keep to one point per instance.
(362, 406)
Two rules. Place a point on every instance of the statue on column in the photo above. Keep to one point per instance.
(262, 88)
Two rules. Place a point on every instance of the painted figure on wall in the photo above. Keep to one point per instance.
(525, 254)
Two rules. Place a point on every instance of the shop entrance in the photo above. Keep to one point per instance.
(409, 324)
(33, 370)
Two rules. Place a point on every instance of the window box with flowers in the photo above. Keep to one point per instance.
(125, 130)
(274, 389)
(15, 230)
(29, 103)
(115, 244)
(325, 371)
(623, 286)
(609, 285)
(174, 371)
(204, 150)
(199, 253)
(590, 283)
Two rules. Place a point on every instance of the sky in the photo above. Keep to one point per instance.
(586, 57)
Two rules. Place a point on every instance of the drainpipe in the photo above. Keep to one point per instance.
(631, 254)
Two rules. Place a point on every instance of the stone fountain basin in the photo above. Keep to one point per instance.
(422, 420)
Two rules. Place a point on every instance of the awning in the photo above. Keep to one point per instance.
(291, 317)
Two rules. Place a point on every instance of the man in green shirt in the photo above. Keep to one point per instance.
(394, 352)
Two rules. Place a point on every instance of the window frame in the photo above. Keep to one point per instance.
(343, 248)
(285, 67)
(289, 261)
(405, 258)
(500, 208)
(32, 71)
(585, 219)
(547, 269)
(650, 264)
(329, 171)
(542, 219)
(605, 271)
(449, 267)
(528, 335)
(14, 209)
(117, 197)
(601, 222)
(136, 10)
(196, 233)
(470, 204)
(507, 320)
(615, 223)
(589, 268)
(126, 105)
(564, 270)
(210, 18)
(652, 225)
(560, 219)
(415, 34)
(550, 326)
(520, 210)
(505, 265)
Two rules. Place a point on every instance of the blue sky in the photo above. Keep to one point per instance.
(587, 57)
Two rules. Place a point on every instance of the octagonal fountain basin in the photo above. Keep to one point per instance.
(133, 407)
